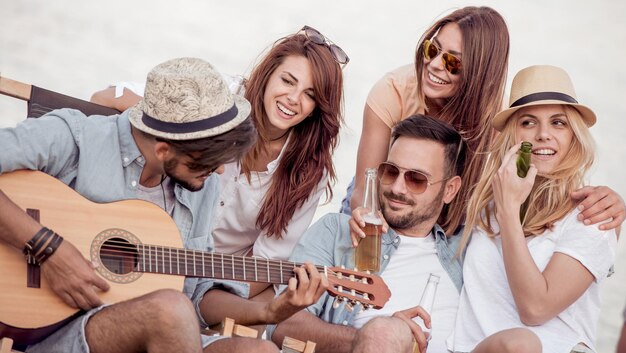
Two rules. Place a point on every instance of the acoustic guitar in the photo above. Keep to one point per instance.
(139, 250)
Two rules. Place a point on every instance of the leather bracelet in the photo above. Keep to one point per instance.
(43, 241)
(52, 246)
(42, 245)
(28, 247)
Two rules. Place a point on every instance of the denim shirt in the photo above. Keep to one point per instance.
(328, 243)
(98, 157)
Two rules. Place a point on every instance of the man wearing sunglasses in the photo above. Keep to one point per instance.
(420, 177)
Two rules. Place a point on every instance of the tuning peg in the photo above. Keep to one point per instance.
(364, 280)
(336, 303)
(352, 278)
(366, 296)
(339, 275)
(340, 289)
(349, 307)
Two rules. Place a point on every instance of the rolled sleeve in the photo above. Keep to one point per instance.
(47, 144)
(241, 289)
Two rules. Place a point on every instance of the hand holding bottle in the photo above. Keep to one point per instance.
(421, 335)
(509, 190)
(368, 252)
(357, 224)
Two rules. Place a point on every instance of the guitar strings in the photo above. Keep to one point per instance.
(239, 261)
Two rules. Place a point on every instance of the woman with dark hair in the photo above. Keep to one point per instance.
(296, 97)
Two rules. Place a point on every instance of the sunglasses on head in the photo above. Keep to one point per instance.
(415, 181)
(451, 62)
(316, 37)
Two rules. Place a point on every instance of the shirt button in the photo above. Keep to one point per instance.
(345, 322)
(386, 257)
(221, 203)
(395, 240)
(126, 159)
(140, 159)
(133, 183)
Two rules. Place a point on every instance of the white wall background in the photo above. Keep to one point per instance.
(78, 47)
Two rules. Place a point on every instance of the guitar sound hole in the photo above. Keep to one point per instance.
(118, 256)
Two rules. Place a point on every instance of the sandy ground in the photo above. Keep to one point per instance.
(78, 47)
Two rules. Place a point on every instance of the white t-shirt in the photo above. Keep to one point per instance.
(487, 305)
(406, 276)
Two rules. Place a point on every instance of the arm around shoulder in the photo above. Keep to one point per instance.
(373, 149)
(108, 98)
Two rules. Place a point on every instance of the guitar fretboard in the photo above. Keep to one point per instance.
(193, 263)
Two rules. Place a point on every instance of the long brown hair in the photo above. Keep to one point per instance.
(308, 156)
(479, 94)
(549, 199)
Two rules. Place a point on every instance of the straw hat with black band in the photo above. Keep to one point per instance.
(541, 85)
(187, 99)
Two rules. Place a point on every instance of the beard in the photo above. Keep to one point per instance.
(414, 216)
(170, 167)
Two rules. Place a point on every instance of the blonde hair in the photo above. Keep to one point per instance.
(549, 199)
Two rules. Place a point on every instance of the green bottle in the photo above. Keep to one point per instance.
(523, 159)
(523, 163)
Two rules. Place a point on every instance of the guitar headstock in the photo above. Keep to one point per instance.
(353, 286)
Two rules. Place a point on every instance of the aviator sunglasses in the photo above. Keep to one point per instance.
(415, 181)
(451, 62)
(316, 37)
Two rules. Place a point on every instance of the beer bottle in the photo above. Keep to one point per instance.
(427, 302)
(523, 163)
(367, 255)
(523, 159)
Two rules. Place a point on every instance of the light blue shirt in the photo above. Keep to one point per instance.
(328, 243)
(98, 157)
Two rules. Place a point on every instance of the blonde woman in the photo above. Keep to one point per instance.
(532, 285)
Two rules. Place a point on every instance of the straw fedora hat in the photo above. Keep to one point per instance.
(187, 99)
(540, 85)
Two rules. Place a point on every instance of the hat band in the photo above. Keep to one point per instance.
(540, 96)
(191, 126)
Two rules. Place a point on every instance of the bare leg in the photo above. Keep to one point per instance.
(516, 340)
(382, 335)
(162, 321)
(265, 296)
(621, 346)
(241, 345)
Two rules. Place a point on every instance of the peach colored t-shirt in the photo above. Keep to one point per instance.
(394, 97)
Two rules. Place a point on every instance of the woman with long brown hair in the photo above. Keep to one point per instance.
(268, 200)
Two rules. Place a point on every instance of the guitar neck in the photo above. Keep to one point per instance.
(193, 263)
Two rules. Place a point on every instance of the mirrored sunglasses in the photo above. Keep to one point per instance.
(415, 181)
(451, 62)
(316, 37)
